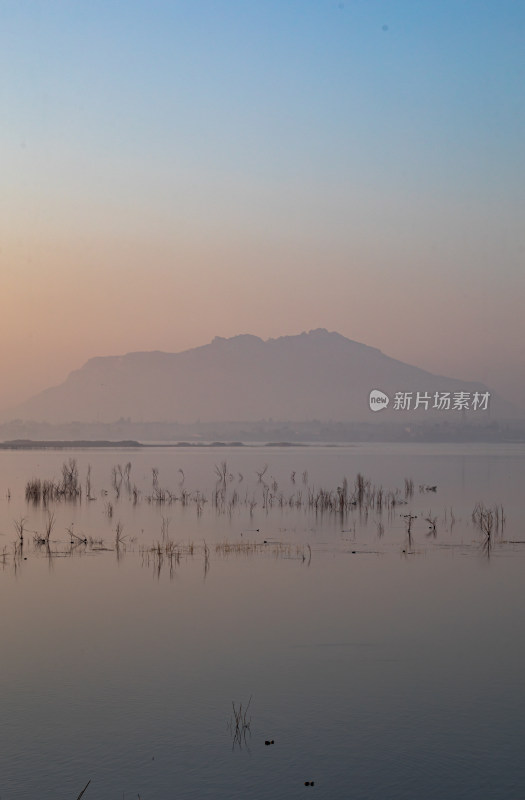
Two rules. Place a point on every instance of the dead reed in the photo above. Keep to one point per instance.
(239, 724)
(489, 520)
(50, 522)
(84, 789)
(20, 527)
(119, 537)
(432, 522)
(68, 488)
(345, 499)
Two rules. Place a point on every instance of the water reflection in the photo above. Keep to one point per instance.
(375, 627)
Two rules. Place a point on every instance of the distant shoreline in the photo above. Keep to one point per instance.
(57, 444)
(66, 444)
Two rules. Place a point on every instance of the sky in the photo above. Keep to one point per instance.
(175, 171)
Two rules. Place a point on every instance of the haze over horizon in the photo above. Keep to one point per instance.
(172, 172)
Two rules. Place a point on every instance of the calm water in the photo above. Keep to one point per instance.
(382, 665)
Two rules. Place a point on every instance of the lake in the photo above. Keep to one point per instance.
(374, 635)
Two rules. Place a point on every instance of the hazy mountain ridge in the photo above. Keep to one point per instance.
(315, 375)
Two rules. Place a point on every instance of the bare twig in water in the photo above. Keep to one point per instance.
(206, 558)
(261, 473)
(409, 518)
(20, 527)
(84, 789)
(221, 470)
(88, 483)
(431, 524)
(49, 524)
(119, 539)
(490, 521)
(239, 724)
(73, 535)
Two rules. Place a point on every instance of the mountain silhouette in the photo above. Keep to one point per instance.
(317, 375)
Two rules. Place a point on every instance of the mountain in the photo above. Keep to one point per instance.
(315, 375)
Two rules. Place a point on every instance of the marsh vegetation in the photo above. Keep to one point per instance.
(355, 505)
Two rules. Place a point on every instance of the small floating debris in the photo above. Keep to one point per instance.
(269, 741)
(309, 783)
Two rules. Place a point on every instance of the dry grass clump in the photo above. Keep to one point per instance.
(276, 549)
(68, 488)
(170, 552)
(162, 496)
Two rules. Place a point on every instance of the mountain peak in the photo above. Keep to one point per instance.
(239, 339)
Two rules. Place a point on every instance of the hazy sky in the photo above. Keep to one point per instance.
(172, 171)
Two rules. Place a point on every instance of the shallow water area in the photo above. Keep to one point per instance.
(379, 649)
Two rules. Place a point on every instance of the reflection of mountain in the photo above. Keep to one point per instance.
(315, 375)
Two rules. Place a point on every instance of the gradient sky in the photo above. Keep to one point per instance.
(172, 171)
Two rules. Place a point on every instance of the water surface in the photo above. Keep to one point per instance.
(381, 664)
